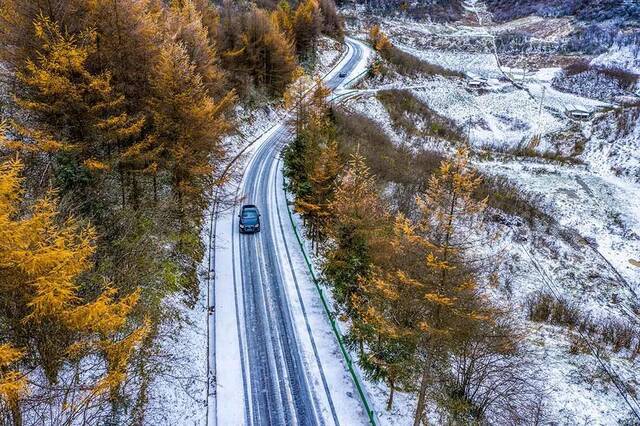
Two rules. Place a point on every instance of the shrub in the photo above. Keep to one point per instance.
(505, 196)
(404, 169)
(626, 79)
(405, 109)
(616, 333)
(544, 307)
(409, 65)
(584, 79)
(404, 63)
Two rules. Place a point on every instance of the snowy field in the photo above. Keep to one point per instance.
(587, 254)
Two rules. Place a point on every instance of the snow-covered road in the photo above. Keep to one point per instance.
(274, 358)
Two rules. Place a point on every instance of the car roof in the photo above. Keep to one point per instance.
(249, 207)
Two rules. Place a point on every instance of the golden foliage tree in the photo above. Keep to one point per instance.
(307, 98)
(449, 228)
(314, 202)
(185, 25)
(114, 100)
(50, 318)
(71, 109)
(307, 25)
(187, 126)
(283, 18)
(420, 297)
(378, 39)
(359, 216)
(12, 384)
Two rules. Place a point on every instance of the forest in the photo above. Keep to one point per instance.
(112, 141)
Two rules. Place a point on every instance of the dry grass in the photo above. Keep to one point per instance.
(614, 333)
(405, 110)
(411, 66)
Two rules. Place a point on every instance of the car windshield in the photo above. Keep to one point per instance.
(250, 214)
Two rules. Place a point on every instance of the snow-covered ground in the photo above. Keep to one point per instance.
(589, 253)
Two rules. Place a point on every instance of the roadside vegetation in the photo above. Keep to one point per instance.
(112, 142)
(402, 62)
(397, 230)
(617, 334)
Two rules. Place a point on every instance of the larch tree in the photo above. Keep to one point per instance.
(51, 319)
(378, 39)
(307, 98)
(185, 144)
(185, 25)
(18, 41)
(449, 228)
(358, 215)
(129, 38)
(12, 384)
(283, 18)
(254, 51)
(307, 25)
(331, 21)
(267, 52)
(323, 179)
(188, 125)
(71, 111)
(311, 160)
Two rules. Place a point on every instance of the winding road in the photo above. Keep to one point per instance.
(273, 360)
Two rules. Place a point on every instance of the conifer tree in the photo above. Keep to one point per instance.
(314, 203)
(358, 215)
(378, 39)
(307, 25)
(49, 317)
(185, 25)
(12, 384)
(187, 126)
(385, 305)
(448, 230)
(283, 18)
(306, 97)
(419, 297)
(71, 110)
(256, 53)
(129, 35)
(331, 23)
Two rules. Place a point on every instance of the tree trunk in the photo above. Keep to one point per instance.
(122, 186)
(422, 396)
(16, 414)
(155, 189)
(135, 191)
(391, 392)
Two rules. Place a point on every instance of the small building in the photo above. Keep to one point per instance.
(578, 114)
(477, 83)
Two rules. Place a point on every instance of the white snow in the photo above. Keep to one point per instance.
(625, 57)
(599, 200)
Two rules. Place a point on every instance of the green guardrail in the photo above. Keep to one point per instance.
(356, 380)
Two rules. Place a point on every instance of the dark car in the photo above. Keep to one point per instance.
(342, 75)
(249, 219)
